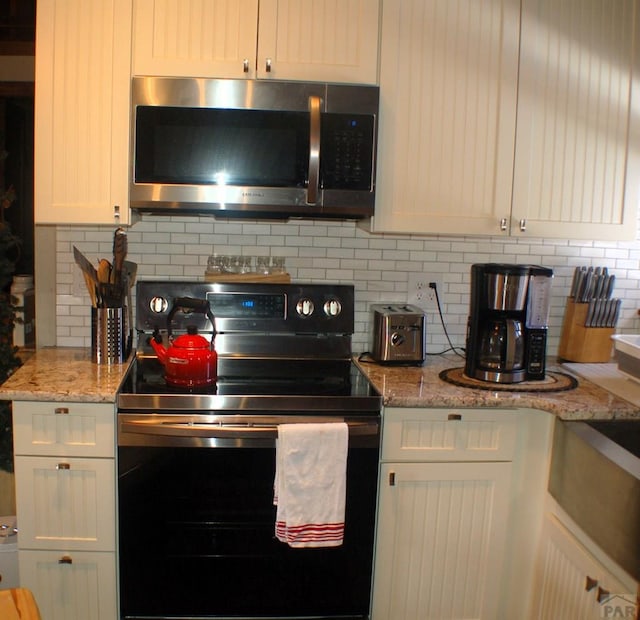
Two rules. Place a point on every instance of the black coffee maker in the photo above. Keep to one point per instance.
(508, 319)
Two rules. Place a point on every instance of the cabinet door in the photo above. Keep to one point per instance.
(82, 111)
(577, 163)
(449, 434)
(571, 584)
(319, 40)
(441, 540)
(448, 78)
(195, 38)
(64, 429)
(71, 586)
(66, 503)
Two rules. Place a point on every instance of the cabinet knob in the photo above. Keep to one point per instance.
(590, 583)
(65, 559)
(392, 478)
(267, 67)
(245, 65)
(61, 411)
(503, 224)
(603, 595)
(523, 225)
(116, 212)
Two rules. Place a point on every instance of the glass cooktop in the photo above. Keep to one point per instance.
(253, 384)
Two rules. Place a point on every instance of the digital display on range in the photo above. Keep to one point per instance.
(247, 306)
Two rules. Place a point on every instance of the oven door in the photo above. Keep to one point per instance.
(196, 523)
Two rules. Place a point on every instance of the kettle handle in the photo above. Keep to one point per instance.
(200, 306)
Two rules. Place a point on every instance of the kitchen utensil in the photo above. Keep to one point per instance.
(104, 271)
(89, 274)
(190, 360)
(85, 265)
(119, 254)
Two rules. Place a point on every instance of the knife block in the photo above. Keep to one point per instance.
(583, 344)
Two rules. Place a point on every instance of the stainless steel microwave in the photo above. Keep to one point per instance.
(258, 148)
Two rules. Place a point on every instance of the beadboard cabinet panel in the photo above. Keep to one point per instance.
(571, 583)
(196, 38)
(65, 503)
(448, 78)
(577, 167)
(83, 55)
(64, 429)
(444, 528)
(326, 40)
(71, 586)
(315, 40)
(450, 435)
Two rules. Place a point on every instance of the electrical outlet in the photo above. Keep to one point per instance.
(420, 293)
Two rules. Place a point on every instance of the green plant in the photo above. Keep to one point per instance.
(9, 359)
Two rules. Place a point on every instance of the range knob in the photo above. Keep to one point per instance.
(158, 305)
(305, 307)
(332, 307)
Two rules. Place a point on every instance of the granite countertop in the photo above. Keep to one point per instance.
(64, 374)
(420, 386)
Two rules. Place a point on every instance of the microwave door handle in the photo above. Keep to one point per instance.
(314, 149)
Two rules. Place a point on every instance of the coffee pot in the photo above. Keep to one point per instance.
(502, 346)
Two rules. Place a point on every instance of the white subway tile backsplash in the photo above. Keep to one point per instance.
(378, 266)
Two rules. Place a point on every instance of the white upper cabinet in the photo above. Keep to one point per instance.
(448, 80)
(498, 119)
(577, 166)
(313, 40)
(83, 64)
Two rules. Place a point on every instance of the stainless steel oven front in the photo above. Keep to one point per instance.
(196, 533)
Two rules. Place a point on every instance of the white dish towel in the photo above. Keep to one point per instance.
(310, 483)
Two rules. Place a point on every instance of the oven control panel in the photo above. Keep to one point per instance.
(248, 308)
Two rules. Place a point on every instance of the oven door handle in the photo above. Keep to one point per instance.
(240, 430)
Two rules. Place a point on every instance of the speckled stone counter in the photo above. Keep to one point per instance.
(64, 374)
(402, 386)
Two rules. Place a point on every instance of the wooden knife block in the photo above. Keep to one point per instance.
(583, 344)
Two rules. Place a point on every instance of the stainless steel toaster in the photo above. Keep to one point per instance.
(399, 333)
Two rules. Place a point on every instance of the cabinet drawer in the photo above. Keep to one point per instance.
(66, 503)
(71, 586)
(448, 434)
(64, 429)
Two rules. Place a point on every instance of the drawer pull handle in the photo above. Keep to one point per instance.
(392, 479)
(65, 559)
(61, 466)
(61, 410)
(590, 584)
(454, 416)
(603, 595)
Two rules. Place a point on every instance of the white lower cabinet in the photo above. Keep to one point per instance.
(443, 515)
(572, 584)
(443, 538)
(77, 585)
(65, 497)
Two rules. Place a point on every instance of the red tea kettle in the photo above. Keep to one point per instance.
(190, 360)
